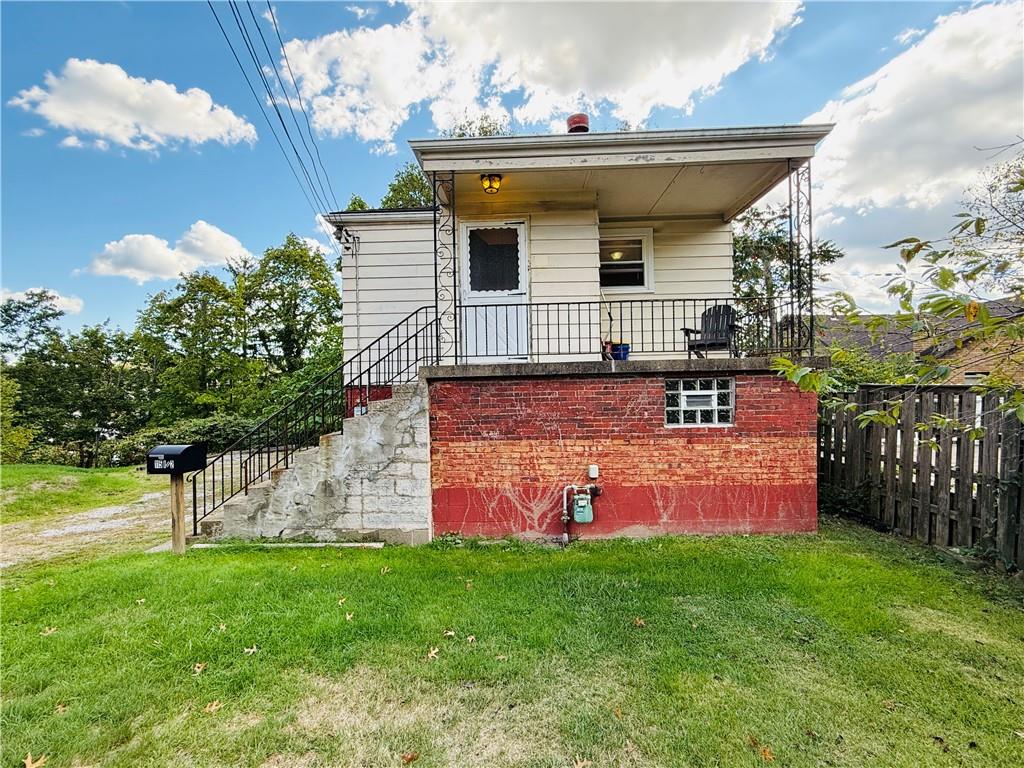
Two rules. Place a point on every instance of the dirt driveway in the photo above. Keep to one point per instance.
(128, 527)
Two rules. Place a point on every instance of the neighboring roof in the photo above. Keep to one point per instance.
(839, 331)
(620, 148)
(955, 327)
(898, 339)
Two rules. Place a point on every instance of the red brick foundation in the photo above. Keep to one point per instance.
(502, 449)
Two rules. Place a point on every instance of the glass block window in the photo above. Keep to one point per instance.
(699, 402)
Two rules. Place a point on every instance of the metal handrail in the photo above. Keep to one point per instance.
(321, 408)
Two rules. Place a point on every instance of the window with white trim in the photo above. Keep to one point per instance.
(625, 260)
(699, 402)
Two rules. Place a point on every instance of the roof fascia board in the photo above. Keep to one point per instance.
(474, 153)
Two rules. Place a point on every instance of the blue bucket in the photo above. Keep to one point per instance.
(620, 351)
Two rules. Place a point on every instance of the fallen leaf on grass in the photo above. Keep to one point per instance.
(410, 757)
(341, 600)
(469, 584)
(47, 631)
(140, 601)
(212, 707)
(324, 565)
(449, 633)
(618, 713)
(501, 658)
(30, 763)
(766, 754)
(198, 668)
(580, 762)
(639, 622)
(349, 616)
(60, 709)
(385, 571)
(1019, 734)
(470, 638)
(889, 704)
(251, 651)
(294, 568)
(222, 627)
(432, 653)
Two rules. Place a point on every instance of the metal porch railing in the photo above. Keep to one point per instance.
(393, 358)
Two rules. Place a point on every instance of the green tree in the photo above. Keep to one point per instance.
(409, 189)
(295, 299)
(940, 287)
(13, 439)
(356, 203)
(82, 388)
(761, 257)
(28, 322)
(481, 125)
(192, 341)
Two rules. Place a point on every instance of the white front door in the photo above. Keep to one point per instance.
(493, 321)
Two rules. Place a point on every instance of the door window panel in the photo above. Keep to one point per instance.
(494, 259)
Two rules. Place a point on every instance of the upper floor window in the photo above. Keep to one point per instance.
(626, 260)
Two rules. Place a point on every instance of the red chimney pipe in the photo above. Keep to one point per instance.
(578, 123)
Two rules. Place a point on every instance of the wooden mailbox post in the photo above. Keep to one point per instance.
(176, 460)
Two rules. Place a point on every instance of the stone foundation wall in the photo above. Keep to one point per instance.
(370, 481)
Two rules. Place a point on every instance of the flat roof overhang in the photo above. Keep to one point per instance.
(648, 174)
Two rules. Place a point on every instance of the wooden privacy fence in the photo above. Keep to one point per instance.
(937, 485)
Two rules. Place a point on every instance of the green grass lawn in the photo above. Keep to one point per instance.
(842, 649)
(31, 491)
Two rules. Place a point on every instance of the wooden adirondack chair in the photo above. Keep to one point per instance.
(717, 331)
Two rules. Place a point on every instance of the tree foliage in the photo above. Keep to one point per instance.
(942, 286)
(409, 189)
(29, 322)
(762, 266)
(214, 350)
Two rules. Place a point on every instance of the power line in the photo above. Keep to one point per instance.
(270, 125)
(291, 109)
(298, 97)
(251, 48)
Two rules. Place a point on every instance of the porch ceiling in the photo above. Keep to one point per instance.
(717, 172)
(655, 191)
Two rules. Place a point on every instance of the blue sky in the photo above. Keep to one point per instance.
(62, 205)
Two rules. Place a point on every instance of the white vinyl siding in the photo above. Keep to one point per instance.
(396, 276)
(692, 260)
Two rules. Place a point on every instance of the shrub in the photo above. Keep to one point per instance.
(217, 431)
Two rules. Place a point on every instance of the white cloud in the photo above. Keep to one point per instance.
(34, 133)
(906, 141)
(70, 304)
(103, 102)
(907, 35)
(148, 257)
(72, 142)
(461, 59)
(361, 12)
(908, 133)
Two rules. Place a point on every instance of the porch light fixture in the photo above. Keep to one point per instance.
(616, 255)
(491, 182)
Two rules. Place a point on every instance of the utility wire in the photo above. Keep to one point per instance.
(251, 47)
(259, 102)
(291, 109)
(298, 97)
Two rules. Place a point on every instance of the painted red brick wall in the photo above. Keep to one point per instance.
(503, 449)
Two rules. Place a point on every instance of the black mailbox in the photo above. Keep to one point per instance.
(176, 459)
